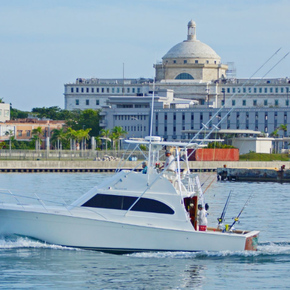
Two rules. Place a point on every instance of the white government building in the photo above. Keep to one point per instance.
(191, 84)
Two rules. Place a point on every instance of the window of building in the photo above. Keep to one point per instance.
(98, 90)
(113, 90)
(250, 90)
(77, 102)
(196, 61)
(271, 90)
(82, 90)
(71, 90)
(233, 102)
(174, 61)
(234, 90)
(207, 62)
(87, 102)
(260, 90)
(282, 90)
(244, 102)
(77, 90)
(133, 90)
(276, 90)
(228, 90)
(184, 76)
(108, 90)
(118, 90)
(265, 90)
(185, 61)
(254, 102)
(265, 102)
(97, 102)
(128, 90)
(28, 133)
(88, 90)
(223, 102)
(276, 102)
(19, 133)
(255, 90)
(287, 103)
(138, 90)
(103, 90)
(93, 90)
(244, 90)
(239, 90)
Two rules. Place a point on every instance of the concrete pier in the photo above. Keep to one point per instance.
(110, 166)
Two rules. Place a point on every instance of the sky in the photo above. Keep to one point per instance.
(45, 44)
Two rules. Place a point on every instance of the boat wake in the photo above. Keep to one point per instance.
(266, 249)
(14, 242)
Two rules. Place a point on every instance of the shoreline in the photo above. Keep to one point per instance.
(110, 166)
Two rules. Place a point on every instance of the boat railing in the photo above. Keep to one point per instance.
(45, 203)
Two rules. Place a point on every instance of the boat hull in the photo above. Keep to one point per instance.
(109, 236)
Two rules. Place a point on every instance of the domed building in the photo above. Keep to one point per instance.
(190, 60)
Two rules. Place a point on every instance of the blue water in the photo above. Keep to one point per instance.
(30, 264)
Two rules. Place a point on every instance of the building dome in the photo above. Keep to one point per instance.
(191, 48)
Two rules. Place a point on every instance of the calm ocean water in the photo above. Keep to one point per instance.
(30, 264)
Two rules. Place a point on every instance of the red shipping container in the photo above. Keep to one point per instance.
(214, 155)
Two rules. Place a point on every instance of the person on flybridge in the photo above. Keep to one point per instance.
(169, 164)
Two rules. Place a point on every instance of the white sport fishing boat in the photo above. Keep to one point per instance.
(130, 212)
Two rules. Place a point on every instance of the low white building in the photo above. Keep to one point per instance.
(253, 144)
(4, 112)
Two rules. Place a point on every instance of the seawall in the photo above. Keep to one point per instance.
(110, 166)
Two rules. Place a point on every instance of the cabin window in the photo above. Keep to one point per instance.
(125, 202)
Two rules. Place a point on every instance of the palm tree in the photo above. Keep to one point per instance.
(36, 133)
(58, 136)
(72, 135)
(105, 133)
(283, 127)
(11, 137)
(119, 133)
(82, 135)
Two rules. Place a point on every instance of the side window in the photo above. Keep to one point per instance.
(125, 202)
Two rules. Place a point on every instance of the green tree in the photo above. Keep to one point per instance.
(72, 136)
(11, 137)
(119, 133)
(59, 137)
(105, 133)
(36, 134)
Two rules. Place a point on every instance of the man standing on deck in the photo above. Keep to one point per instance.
(202, 219)
(169, 163)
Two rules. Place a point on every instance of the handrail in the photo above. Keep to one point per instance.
(41, 202)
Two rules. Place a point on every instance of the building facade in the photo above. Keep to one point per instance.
(193, 71)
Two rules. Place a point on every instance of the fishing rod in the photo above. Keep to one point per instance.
(238, 216)
(221, 120)
(222, 217)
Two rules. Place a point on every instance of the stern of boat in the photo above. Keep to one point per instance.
(251, 243)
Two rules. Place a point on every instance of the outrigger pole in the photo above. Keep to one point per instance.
(212, 118)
